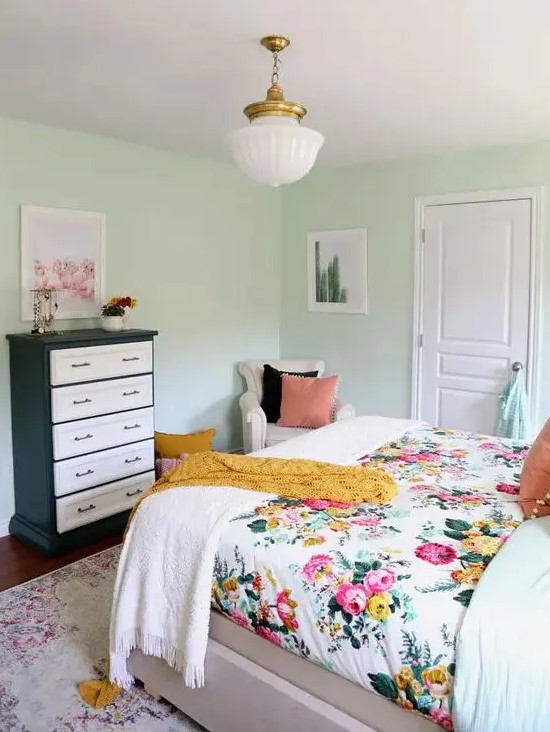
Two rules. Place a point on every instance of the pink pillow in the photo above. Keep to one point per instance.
(163, 465)
(307, 401)
(534, 484)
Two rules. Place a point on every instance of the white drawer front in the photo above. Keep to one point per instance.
(97, 503)
(104, 397)
(70, 365)
(102, 467)
(100, 433)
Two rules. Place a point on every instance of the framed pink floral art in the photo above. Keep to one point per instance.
(63, 250)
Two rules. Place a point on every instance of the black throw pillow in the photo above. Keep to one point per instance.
(273, 390)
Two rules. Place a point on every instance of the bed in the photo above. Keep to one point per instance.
(335, 617)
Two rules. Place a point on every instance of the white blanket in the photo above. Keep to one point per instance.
(161, 601)
(503, 667)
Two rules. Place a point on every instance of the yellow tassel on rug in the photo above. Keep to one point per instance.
(293, 478)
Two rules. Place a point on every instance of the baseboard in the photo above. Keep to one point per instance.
(4, 523)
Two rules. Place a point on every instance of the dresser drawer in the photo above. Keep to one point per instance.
(71, 365)
(97, 503)
(105, 397)
(99, 433)
(102, 467)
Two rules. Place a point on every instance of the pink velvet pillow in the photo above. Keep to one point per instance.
(535, 475)
(307, 401)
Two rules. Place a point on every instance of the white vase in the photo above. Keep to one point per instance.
(112, 323)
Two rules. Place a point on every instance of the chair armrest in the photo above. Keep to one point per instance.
(342, 410)
(249, 404)
(254, 422)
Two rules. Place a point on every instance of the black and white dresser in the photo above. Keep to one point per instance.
(82, 430)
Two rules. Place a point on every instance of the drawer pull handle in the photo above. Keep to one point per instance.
(80, 365)
(132, 460)
(132, 358)
(130, 393)
(86, 437)
(135, 426)
(90, 508)
(134, 493)
(82, 401)
(88, 472)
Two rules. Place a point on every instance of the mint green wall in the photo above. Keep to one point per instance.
(192, 240)
(373, 352)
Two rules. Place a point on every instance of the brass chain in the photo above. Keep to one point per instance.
(276, 69)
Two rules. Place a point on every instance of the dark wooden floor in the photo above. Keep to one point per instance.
(19, 563)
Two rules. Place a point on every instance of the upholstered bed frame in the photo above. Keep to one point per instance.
(253, 686)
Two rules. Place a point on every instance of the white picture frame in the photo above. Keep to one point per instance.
(64, 250)
(337, 271)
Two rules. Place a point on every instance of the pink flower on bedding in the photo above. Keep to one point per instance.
(488, 446)
(512, 490)
(239, 618)
(441, 716)
(320, 565)
(379, 580)
(365, 521)
(352, 598)
(268, 634)
(427, 457)
(317, 504)
(435, 553)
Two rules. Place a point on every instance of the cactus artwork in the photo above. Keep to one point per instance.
(328, 287)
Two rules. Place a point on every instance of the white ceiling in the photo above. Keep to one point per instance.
(381, 78)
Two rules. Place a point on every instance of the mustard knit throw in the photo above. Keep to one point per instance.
(294, 478)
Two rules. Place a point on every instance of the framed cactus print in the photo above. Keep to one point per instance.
(337, 271)
(63, 250)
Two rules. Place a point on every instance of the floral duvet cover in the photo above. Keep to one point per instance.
(376, 594)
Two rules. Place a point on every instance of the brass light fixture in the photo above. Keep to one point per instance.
(275, 148)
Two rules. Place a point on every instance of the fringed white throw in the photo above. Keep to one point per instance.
(161, 602)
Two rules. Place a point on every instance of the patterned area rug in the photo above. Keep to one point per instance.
(53, 634)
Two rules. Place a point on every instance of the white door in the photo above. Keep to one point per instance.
(475, 309)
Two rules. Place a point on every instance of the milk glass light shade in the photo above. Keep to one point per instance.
(275, 150)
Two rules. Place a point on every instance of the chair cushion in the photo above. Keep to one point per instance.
(275, 434)
(172, 446)
(307, 402)
(272, 386)
(534, 484)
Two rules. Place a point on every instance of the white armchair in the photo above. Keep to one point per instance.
(257, 431)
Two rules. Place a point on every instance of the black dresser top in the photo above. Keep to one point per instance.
(85, 334)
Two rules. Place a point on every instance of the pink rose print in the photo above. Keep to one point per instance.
(365, 521)
(509, 488)
(441, 716)
(352, 598)
(239, 618)
(317, 504)
(379, 580)
(286, 610)
(427, 457)
(435, 553)
(268, 634)
(319, 565)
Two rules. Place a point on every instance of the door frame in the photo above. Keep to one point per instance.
(535, 195)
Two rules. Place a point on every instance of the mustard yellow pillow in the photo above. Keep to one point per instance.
(172, 446)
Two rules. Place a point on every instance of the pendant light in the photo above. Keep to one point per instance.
(274, 148)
